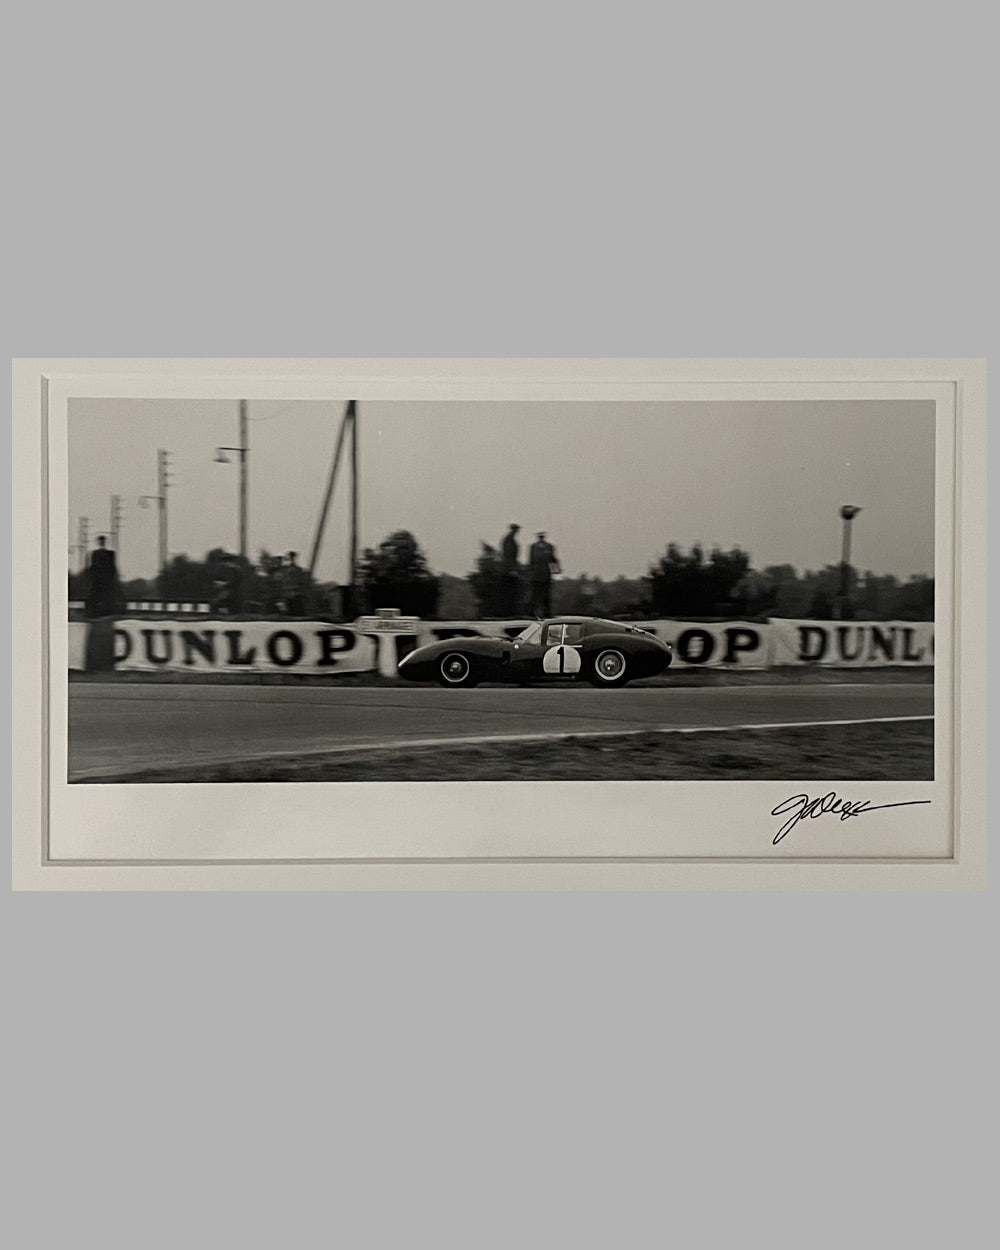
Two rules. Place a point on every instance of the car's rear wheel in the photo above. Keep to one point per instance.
(609, 668)
(455, 669)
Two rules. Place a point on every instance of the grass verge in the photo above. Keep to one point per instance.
(903, 751)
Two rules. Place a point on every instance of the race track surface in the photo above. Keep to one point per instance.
(117, 728)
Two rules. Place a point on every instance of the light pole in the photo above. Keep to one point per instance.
(848, 512)
(242, 451)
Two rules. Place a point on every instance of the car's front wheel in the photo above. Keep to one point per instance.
(610, 668)
(455, 669)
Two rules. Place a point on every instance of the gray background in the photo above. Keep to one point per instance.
(513, 1070)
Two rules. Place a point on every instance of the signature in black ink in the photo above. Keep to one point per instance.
(801, 806)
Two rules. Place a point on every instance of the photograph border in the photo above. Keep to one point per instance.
(558, 379)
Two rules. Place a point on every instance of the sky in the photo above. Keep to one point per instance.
(610, 483)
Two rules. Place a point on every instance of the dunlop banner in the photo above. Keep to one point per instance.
(852, 644)
(231, 646)
(732, 644)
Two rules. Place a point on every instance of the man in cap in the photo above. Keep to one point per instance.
(509, 551)
(293, 582)
(103, 580)
(542, 564)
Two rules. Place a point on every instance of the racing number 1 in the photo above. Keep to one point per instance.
(561, 660)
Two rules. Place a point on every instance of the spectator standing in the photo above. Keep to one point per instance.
(588, 593)
(269, 582)
(509, 552)
(103, 580)
(227, 585)
(235, 574)
(294, 585)
(543, 563)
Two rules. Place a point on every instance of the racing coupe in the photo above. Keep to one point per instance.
(566, 648)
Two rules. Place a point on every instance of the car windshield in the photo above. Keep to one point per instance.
(530, 634)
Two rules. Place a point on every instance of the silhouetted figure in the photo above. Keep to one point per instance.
(103, 588)
(269, 584)
(235, 574)
(588, 593)
(294, 585)
(228, 586)
(511, 592)
(542, 564)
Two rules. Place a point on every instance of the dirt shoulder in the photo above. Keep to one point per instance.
(903, 751)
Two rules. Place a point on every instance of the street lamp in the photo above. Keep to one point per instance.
(241, 451)
(848, 512)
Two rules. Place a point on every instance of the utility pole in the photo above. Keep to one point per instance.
(346, 420)
(160, 499)
(163, 462)
(242, 451)
(116, 522)
(83, 541)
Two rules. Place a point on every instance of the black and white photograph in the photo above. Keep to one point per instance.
(682, 614)
(345, 590)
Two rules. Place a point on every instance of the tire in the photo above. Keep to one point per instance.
(455, 669)
(609, 669)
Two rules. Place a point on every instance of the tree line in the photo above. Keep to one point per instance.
(689, 583)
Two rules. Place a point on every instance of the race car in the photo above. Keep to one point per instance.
(565, 648)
